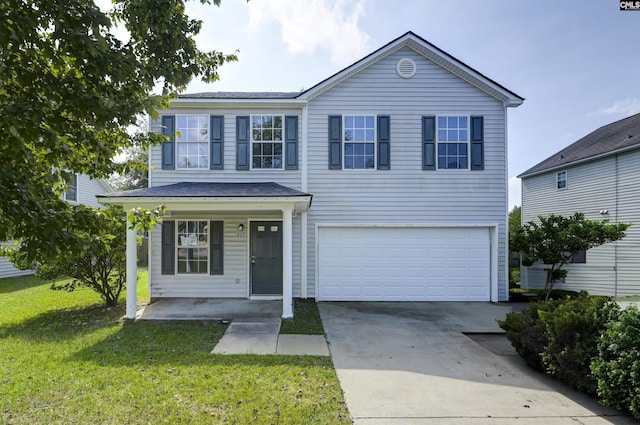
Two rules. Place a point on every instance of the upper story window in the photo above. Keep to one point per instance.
(72, 189)
(453, 142)
(359, 140)
(192, 141)
(561, 180)
(266, 141)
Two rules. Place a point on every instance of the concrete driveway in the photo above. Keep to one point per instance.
(411, 363)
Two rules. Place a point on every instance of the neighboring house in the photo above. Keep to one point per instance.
(81, 189)
(387, 181)
(598, 176)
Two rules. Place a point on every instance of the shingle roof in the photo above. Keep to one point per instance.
(406, 37)
(240, 95)
(610, 138)
(209, 189)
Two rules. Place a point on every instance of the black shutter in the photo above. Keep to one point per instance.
(168, 148)
(335, 142)
(384, 142)
(477, 143)
(428, 143)
(168, 255)
(291, 143)
(242, 143)
(217, 142)
(216, 245)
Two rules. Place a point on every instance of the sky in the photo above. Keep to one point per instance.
(576, 62)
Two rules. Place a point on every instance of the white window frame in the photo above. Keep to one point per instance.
(254, 142)
(179, 142)
(364, 142)
(467, 142)
(562, 176)
(65, 197)
(179, 246)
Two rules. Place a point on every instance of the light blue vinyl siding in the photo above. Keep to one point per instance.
(610, 184)
(406, 194)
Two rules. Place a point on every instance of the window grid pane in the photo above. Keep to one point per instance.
(192, 141)
(453, 142)
(561, 180)
(193, 246)
(266, 139)
(359, 142)
(452, 156)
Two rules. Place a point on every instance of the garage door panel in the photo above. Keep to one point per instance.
(395, 264)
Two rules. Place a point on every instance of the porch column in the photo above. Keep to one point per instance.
(132, 272)
(287, 263)
(303, 254)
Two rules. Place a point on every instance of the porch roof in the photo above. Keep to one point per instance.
(212, 195)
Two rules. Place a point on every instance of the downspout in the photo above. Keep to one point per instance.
(506, 203)
(615, 244)
(303, 216)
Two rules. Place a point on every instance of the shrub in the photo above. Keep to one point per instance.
(617, 369)
(572, 332)
(526, 333)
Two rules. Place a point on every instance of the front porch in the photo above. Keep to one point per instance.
(219, 241)
(209, 309)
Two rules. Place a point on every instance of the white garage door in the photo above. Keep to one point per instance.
(403, 264)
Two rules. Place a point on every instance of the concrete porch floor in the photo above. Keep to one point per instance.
(209, 309)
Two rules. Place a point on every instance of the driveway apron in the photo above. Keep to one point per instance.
(410, 363)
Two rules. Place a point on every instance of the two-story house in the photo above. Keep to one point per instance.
(387, 181)
(81, 189)
(598, 176)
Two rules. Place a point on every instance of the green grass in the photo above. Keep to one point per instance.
(66, 359)
(306, 319)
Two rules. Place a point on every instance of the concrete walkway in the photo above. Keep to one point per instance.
(411, 364)
(261, 336)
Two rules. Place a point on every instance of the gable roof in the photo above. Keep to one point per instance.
(608, 140)
(410, 40)
(431, 52)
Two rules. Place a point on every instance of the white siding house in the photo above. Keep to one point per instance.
(82, 190)
(597, 176)
(386, 181)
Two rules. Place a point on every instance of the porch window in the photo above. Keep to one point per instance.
(193, 246)
(192, 141)
(267, 141)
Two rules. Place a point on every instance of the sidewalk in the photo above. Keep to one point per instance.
(261, 336)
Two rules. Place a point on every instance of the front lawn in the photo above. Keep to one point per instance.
(306, 319)
(65, 359)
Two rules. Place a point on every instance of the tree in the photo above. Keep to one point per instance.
(92, 253)
(136, 172)
(68, 92)
(515, 219)
(556, 239)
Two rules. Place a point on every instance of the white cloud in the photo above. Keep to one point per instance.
(622, 107)
(332, 25)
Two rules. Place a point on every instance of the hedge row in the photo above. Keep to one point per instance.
(587, 342)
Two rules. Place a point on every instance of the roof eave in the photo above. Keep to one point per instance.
(211, 203)
(185, 103)
(578, 162)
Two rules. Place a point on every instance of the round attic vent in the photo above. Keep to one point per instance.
(406, 68)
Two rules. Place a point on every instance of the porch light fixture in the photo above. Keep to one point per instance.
(240, 227)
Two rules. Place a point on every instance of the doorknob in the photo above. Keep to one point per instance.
(253, 259)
